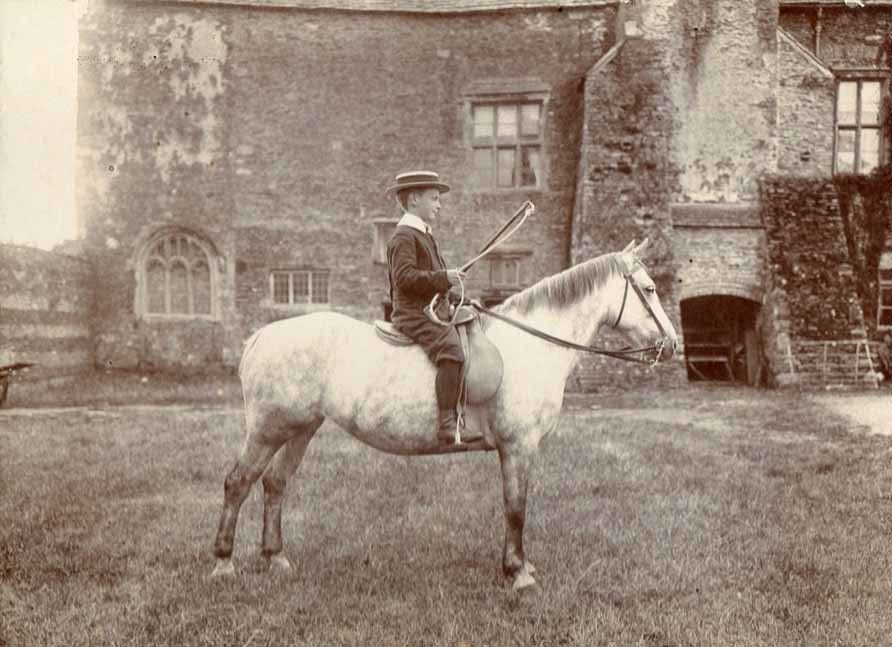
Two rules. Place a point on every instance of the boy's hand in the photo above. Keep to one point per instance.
(455, 275)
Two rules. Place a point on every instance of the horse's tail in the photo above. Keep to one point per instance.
(249, 345)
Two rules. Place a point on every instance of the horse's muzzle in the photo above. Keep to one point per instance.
(670, 347)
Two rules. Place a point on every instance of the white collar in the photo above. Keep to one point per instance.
(413, 221)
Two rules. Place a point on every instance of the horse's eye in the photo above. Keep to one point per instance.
(651, 289)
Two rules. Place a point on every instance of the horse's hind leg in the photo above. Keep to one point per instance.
(255, 456)
(275, 479)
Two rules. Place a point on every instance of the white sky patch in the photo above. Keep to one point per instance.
(38, 120)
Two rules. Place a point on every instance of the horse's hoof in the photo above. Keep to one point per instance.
(224, 568)
(523, 580)
(279, 564)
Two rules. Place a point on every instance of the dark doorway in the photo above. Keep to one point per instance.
(720, 340)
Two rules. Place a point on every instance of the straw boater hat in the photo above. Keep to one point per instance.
(417, 180)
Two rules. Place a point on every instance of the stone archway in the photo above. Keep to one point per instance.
(721, 342)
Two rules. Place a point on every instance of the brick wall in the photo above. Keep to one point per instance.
(272, 134)
(719, 249)
(45, 302)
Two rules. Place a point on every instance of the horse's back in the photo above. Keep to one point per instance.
(285, 348)
(328, 344)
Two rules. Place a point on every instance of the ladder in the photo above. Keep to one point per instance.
(862, 354)
(870, 370)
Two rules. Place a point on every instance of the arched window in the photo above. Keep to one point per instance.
(176, 277)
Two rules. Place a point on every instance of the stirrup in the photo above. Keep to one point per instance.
(460, 424)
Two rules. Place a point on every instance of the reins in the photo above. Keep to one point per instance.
(625, 354)
(515, 222)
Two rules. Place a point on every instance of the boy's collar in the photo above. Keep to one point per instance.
(411, 220)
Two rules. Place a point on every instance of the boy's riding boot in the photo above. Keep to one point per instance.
(447, 422)
(448, 388)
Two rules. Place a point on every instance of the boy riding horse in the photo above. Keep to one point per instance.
(417, 272)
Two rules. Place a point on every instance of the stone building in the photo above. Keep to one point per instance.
(233, 154)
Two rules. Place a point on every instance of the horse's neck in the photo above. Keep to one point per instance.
(577, 323)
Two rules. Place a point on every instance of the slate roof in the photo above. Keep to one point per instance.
(409, 6)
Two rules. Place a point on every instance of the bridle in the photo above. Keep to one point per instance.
(625, 354)
(630, 280)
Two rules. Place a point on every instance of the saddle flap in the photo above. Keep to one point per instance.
(483, 365)
(390, 334)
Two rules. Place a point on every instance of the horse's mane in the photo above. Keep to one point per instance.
(567, 287)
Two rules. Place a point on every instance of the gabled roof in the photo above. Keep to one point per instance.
(408, 6)
(803, 51)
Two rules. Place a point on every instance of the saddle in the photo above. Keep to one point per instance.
(482, 371)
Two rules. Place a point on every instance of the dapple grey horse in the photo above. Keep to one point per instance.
(298, 372)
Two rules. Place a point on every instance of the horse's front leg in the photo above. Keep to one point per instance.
(517, 464)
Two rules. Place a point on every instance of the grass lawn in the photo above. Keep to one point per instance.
(692, 517)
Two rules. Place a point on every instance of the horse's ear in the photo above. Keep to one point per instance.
(641, 247)
(628, 247)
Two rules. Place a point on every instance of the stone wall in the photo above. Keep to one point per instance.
(832, 364)
(271, 135)
(842, 37)
(814, 49)
(45, 303)
(681, 120)
(806, 99)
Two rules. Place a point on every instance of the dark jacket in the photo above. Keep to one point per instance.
(417, 272)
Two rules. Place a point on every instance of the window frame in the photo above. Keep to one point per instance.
(309, 304)
(506, 92)
(498, 292)
(383, 229)
(516, 143)
(146, 256)
(881, 285)
(860, 78)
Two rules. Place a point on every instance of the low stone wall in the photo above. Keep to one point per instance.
(830, 364)
(45, 309)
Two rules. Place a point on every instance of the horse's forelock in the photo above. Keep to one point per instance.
(567, 287)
